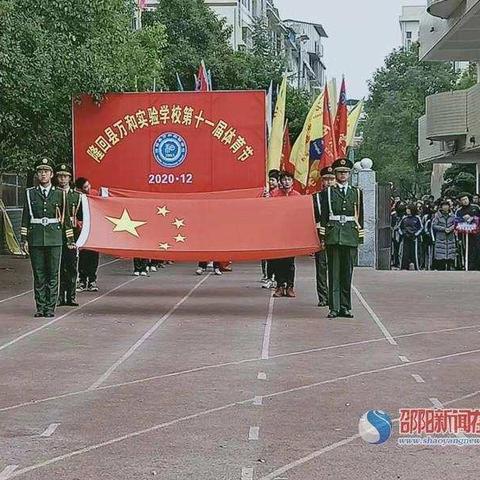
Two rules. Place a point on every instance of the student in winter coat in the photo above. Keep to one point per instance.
(443, 225)
(410, 230)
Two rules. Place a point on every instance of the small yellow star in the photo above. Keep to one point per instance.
(125, 223)
(165, 246)
(179, 223)
(180, 238)
(163, 211)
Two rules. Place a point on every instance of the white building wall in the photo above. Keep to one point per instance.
(410, 24)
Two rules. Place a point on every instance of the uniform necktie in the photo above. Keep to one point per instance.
(44, 193)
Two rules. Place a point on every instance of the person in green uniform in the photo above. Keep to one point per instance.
(328, 179)
(68, 265)
(341, 227)
(44, 222)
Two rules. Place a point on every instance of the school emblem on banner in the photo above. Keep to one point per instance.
(170, 150)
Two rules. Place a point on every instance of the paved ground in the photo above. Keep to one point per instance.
(207, 378)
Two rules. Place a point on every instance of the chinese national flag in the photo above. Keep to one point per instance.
(341, 123)
(325, 149)
(199, 229)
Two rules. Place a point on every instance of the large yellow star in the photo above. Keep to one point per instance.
(163, 211)
(125, 223)
(180, 238)
(164, 246)
(179, 223)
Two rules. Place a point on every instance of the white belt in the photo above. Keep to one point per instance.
(44, 221)
(342, 219)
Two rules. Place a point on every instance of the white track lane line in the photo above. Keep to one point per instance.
(301, 461)
(146, 335)
(436, 403)
(50, 430)
(375, 318)
(13, 298)
(220, 365)
(61, 317)
(30, 291)
(7, 471)
(128, 436)
(268, 329)
(225, 407)
(418, 378)
(253, 433)
(369, 372)
(247, 473)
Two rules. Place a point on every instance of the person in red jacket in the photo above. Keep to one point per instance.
(285, 267)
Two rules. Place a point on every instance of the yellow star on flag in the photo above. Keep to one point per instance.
(179, 223)
(163, 211)
(180, 238)
(165, 246)
(126, 224)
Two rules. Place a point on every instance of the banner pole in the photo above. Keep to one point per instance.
(466, 251)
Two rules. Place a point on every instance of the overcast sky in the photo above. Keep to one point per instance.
(361, 33)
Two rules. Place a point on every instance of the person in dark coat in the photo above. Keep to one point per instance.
(397, 214)
(469, 213)
(445, 246)
(410, 230)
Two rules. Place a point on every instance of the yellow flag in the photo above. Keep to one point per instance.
(353, 118)
(275, 146)
(313, 128)
(333, 95)
(9, 234)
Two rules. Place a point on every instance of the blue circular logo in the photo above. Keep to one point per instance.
(375, 426)
(170, 150)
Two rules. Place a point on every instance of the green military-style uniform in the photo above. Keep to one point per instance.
(321, 267)
(44, 225)
(341, 226)
(69, 262)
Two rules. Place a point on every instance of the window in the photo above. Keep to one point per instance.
(409, 35)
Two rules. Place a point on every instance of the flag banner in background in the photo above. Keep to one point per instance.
(323, 150)
(353, 119)
(275, 145)
(200, 229)
(313, 128)
(341, 123)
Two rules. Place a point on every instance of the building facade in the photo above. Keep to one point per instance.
(306, 68)
(449, 132)
(410, 24)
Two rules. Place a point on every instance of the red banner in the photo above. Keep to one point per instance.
(200, 229)
(171, 142)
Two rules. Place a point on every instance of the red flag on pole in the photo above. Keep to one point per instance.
(198, 229)
(326, 148)
(202, 79)
(285, 164)
(341, 123)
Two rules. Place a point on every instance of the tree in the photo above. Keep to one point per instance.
(297, 108)
(459, 178)
(194, 33)
(396, 101)
(52, 50)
